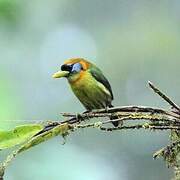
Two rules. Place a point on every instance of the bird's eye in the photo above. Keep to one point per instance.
(77, 67)
(66, 67)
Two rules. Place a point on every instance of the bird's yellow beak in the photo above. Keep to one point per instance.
(60, 74)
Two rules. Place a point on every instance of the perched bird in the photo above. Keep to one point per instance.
(88, 84)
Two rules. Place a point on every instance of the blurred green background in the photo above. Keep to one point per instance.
(131, 41)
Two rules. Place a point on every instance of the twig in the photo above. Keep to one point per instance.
(150, 126)
(164, 150)
(141, 126)
(165, 97)
(129, 112)
(124, 113)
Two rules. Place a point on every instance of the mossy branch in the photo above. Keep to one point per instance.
(149, 118)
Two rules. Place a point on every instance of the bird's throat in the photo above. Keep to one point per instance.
(75, 78)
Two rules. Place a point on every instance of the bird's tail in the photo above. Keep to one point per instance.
(115, 123)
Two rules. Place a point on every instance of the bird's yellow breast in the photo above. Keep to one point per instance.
(84, 83)
(90, 92)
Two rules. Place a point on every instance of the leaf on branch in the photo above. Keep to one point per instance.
(35, 139)
(18, 135)
(58, 130)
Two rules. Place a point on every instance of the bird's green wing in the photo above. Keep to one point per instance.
(98, 75)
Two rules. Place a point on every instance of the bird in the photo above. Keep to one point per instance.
(88, 83)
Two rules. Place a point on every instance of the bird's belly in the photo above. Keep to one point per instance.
(92, 95)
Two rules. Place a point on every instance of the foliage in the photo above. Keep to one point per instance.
(18, 135)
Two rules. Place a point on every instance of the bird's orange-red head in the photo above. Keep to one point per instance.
(73, 69)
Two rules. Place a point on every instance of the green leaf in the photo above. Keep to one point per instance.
(18, 135)
(62, 129)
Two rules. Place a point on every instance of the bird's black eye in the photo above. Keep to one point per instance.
(66, 67)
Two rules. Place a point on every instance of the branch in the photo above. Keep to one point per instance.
(165, 97)
(149, 118)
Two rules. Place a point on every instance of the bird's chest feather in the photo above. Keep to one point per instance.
(86, 87)
(90, 92)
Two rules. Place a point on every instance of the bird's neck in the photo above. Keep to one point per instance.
(75, 78)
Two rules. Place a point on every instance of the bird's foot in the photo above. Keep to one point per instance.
(106, 109)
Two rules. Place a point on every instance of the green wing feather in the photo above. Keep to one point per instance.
(98, 75)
